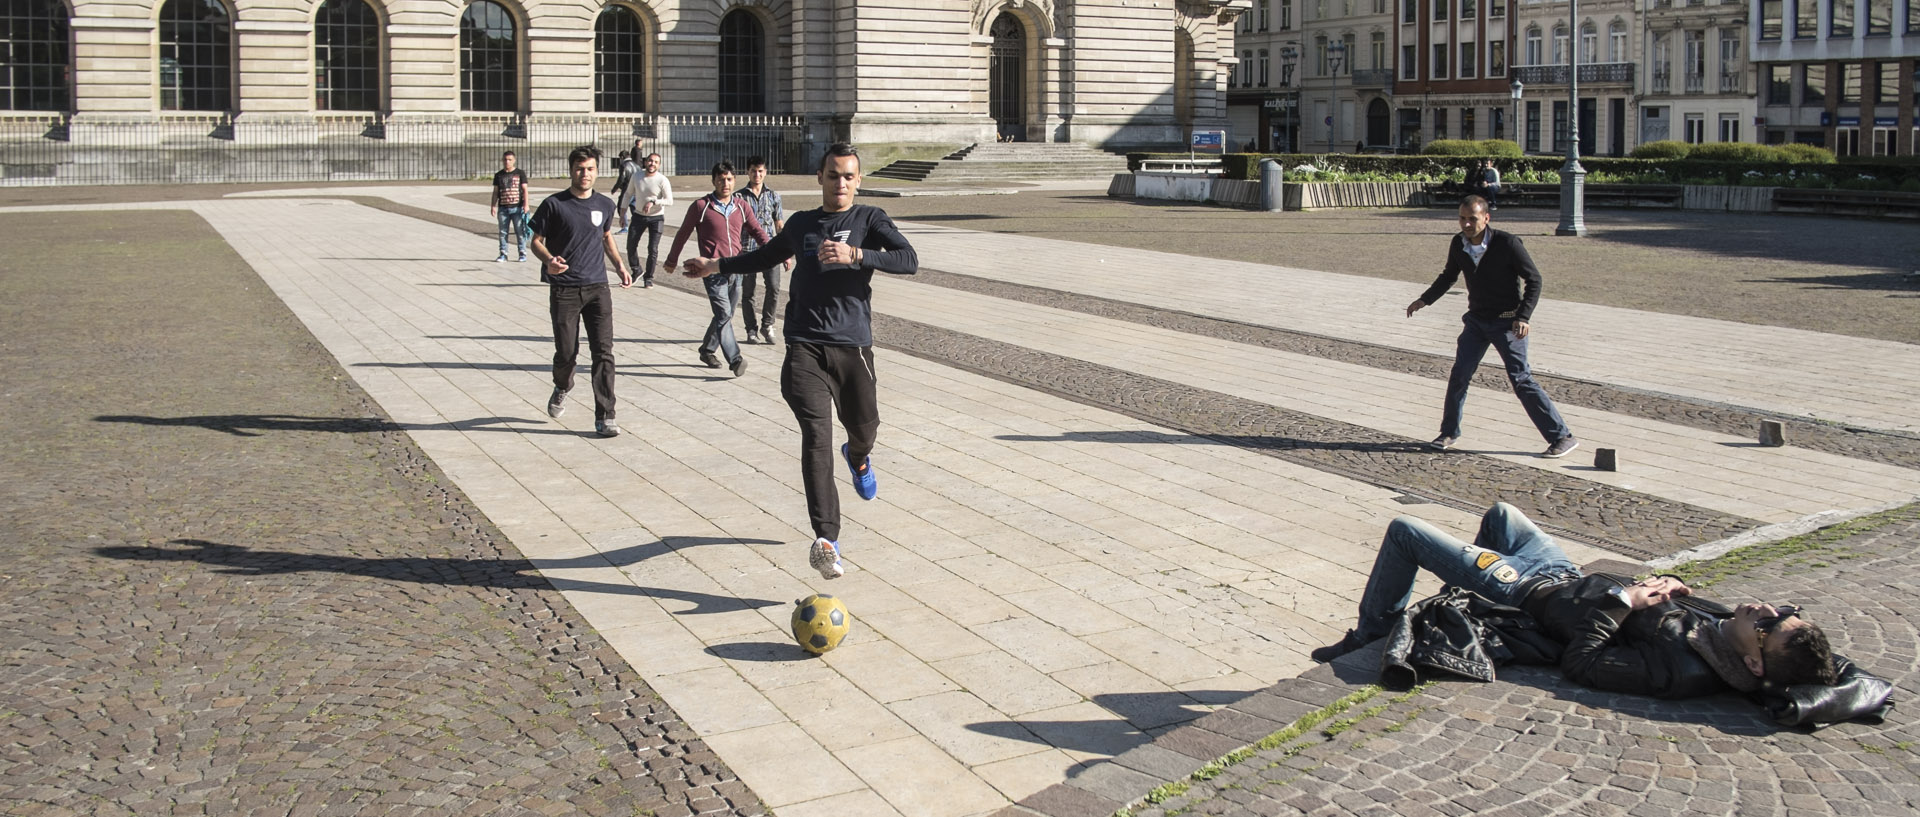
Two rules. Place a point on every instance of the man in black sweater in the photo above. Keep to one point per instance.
(1620, 635)
(1503, 286)
(829, 333)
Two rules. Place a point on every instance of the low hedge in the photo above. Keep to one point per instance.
(1851, 174)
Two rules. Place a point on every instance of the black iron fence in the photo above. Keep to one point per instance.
(195, 148)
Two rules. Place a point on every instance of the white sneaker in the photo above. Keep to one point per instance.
(824, 556)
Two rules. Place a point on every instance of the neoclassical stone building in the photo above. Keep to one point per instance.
(1116, 73)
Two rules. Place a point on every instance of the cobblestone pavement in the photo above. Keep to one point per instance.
(1892, 449)
(1745, 267)
(1532, 744)
(269, 602)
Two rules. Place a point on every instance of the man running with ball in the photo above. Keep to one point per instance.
(829, 333)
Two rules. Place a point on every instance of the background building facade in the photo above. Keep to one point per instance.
(1842, 74)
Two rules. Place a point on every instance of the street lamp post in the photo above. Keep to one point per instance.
(1573, 177)
(1336, 58)
(1516, 88)
(1288, 54)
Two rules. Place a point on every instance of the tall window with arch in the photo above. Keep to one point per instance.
(489, 58)
(1589, 42)
(35, 59)
(346, 57)
(1617, 41)
(196, 56)
(619, 61)
(743, 63)
(1533, 54)
(1560, 44)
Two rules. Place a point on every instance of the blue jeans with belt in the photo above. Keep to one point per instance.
(1508, 550)
(512, 220)
(1479, 334)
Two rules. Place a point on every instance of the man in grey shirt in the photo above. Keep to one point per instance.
(768, 209)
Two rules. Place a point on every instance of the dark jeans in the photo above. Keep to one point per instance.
(749, 283)
(593, 306)
(1498, 333)
(651, 226)
(723, 291)
(816, 380)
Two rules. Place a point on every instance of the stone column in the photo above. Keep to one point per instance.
(274, 61)
(424, 83)
(1052, 124)
(115, 93)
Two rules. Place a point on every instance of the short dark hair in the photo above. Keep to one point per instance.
(756, 161)
(505, 155)
(835, 151)
(1476, 202)
(1802, 657)
(719, 168)
(581, 154)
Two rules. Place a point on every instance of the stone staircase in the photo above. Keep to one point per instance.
(1010, 161)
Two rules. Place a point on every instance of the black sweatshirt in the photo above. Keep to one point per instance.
(833, 305)
(1505, 284)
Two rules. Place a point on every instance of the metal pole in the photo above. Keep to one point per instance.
(1573, 177)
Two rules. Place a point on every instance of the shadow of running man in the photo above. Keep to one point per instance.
(509, 574)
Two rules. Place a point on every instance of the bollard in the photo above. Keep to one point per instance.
(1773, 433)
(1271, 198)
(1605, 460)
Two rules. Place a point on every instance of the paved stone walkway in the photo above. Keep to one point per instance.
(1053, 575)
(232, 587)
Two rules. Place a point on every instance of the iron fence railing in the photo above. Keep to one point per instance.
(45, 149)
(1592, 72)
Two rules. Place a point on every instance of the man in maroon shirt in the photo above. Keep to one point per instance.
(720, 221)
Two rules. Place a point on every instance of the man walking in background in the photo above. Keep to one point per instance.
(768, 208)
(1503, 286)
(572, 236)
(648, 198)
(721, 220)
(508, 205)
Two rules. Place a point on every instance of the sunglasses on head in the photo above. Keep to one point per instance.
(1784, 612)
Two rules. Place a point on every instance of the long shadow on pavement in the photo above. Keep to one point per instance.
(1239, 441)
(240, 560)
(252, 425)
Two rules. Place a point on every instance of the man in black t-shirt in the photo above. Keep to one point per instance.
(829, 332)
(571, 236)
(509, 204)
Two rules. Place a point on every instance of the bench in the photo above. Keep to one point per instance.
(1450, 194)
(1847, 202)
(1599, 195)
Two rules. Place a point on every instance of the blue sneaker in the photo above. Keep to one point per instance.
(863, 482)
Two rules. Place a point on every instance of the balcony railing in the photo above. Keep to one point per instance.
(1696, 83)
(1662, 82)
(1732, 83)
(1373, 78)
(1589, 72)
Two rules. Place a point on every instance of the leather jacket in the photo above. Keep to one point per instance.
(1459, 633)
(1613, 647)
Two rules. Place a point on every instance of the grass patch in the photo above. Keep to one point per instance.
(1812, 549)
(1299, 728)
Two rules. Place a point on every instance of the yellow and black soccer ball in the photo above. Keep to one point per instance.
(820, 622)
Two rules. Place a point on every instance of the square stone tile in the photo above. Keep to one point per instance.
(888, 673)
(1040, 644)
(764, 759)
(838, 714)
(966, 728)
(1006, 683)
(918, 778)
(716, 701)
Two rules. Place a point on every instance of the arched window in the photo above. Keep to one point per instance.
(619, 62)
(1589, 42)
(346, 57)
(1560, 44)
(489, 59)
(1617, 42)
(196, 56)
(34, 58)
(1533, 46)
(742, 64)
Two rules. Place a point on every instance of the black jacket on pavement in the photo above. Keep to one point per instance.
(1505, 284)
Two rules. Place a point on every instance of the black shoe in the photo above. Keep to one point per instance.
(1351, 642)
(711, 360)
(739, 367)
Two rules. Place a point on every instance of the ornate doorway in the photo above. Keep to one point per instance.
(1007, 78)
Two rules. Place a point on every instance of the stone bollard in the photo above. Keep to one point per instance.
(1271, 188)
(1605, 460)
(1773, 433)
